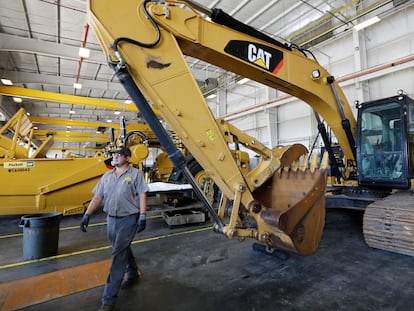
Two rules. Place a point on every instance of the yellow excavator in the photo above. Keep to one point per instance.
(281, 202)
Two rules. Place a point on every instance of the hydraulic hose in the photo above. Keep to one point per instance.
(123, 129)
(345, 122)
(332, 160)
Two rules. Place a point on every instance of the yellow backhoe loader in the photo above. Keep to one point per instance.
(281, 202)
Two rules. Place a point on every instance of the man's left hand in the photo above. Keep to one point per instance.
(84, 223)
(142, 223)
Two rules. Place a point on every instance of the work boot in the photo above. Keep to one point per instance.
(131, 281)
(106, 308)
(128, 283)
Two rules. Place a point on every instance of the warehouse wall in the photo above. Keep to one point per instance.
(289, 120)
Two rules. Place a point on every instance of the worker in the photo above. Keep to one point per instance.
(123, 194)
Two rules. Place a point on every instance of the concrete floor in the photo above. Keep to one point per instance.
(201, 270)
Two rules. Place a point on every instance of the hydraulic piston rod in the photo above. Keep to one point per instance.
(173, 153)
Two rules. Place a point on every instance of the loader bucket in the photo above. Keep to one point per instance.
(295, 201)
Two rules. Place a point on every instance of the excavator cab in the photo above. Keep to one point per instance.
(386, 140)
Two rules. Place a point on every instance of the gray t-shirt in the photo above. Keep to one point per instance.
(121, 195)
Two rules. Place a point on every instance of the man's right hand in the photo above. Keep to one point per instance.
(84, 223)
(142, 223)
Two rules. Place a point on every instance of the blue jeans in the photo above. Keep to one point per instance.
(121, 232)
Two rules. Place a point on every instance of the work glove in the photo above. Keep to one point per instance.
(142, 223)
(84, 223)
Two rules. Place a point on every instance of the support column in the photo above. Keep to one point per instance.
(272, 119)
(360, 60)
(272, 126)
(222, 102)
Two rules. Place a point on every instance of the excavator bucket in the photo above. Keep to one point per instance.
(295, 201)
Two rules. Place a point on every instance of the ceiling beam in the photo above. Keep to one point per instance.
(72, 122)
(64, 149)
(10, 43)
(79, 139)
(40, 133)
(130, 127)
(37, 78)
(66, 99)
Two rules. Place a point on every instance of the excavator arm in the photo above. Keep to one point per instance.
(146, 43)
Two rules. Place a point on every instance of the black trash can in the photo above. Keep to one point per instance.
(40, 235)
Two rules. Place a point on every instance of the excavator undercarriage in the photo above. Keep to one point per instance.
(389, 223)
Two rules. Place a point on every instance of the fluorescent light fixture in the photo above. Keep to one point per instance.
(117, 112)
(211, 96)
(6, 82)
(68, 127)
(109, 121)
(17, 100)
(84, 52)
(367, 23)
(72, 111)
(243, 81)
(77, 86)
(128, 101)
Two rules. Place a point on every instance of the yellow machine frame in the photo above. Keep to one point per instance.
(34, 184)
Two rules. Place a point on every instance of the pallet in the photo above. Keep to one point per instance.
(184, 216)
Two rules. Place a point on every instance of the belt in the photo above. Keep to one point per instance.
(121, 216)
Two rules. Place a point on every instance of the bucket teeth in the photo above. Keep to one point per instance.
(324, 162)
(296, 166)
(314, 163)
(304, 166)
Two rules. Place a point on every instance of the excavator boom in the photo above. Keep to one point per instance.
(146, 43)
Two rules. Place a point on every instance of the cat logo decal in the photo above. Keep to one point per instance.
(258, 54)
